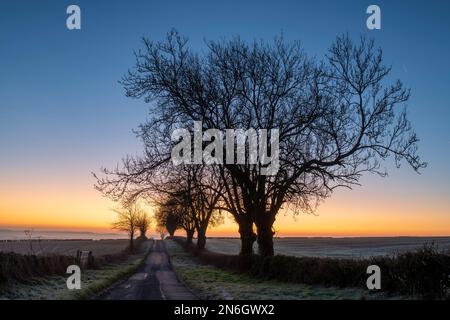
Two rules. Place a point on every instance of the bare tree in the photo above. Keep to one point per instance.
(167, 218)
(162, 231)
(187, 197)
(181, 201)
(127, 221)
(143, 224)
(337, 119)
(205, 190)
(175, 213)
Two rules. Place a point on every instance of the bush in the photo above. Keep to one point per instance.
(308, 270)
(14, 266)
(424, 273)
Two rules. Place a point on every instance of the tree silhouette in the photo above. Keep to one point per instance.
(143, 223)
(203, 189)
(337, 119)
(127, 221)
(175, 213)
(167, 218)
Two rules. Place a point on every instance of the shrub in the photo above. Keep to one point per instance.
(424, 272)
(18, 267)
(14, 266)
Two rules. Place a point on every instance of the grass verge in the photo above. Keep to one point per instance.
(210, 282)
(423, 273)
(93, 281)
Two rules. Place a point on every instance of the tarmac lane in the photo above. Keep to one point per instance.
(154, 280)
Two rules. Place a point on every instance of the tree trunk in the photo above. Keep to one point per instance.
(265, 236)
(248, 237)
(131, 244)
(201, 239)
(189, 235)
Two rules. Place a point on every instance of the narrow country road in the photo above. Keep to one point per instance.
(155, 280)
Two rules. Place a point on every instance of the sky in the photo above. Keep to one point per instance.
(63, 113)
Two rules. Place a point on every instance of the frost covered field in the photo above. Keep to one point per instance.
(66, 247)
(336, 247)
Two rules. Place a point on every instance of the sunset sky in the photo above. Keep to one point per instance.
(63, 113)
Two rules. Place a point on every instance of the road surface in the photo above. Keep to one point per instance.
(155, 280)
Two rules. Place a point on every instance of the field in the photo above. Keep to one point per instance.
(64, 247)
(311, 247)
(335, 247)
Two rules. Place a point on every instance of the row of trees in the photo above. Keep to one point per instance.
(337, 119)
(190, 201)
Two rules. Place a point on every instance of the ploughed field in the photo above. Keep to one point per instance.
(363, 247)
(64, 247)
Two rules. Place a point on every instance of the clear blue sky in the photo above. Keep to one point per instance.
(63, 113)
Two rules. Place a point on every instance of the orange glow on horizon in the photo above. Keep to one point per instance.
(348, 213)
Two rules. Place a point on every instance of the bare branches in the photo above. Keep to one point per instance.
(337, 119)
(129, 219)
(143, 224)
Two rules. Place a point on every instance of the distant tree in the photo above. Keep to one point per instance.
(176, 213)
(127, 221)
(204, 189)
(195, 191)
(185, 214)
(167, 218)
(162, 231)
(29, 235)
(143, 224)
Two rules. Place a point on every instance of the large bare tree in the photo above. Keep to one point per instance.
(337, 119)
